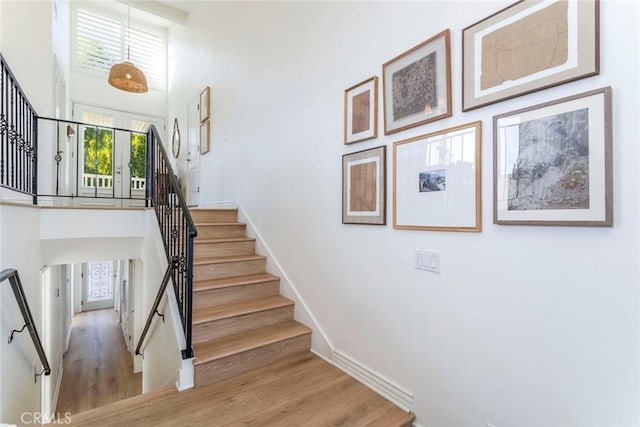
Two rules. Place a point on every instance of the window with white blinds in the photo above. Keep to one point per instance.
(101, 41)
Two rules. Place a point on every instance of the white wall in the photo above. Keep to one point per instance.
(525, 325)
(162, 346)
(52, 331)
(19, 234)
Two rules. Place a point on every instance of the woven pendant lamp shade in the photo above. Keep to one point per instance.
(128, 77)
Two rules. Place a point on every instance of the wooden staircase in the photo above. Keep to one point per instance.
(252, 360)
(240, 322)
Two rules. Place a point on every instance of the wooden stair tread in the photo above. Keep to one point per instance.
(225, 259)
(224, 240)
(208, 314)
(214, 209)
(245, 341)
(228, 282)
(218, 224)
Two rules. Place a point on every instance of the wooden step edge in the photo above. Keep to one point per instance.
(252, 279)
(214, 209)
(248, 341)
(242, 308)
(394, 417)
(219, 224)
(227, 259)
(118, 406)
(201, 241)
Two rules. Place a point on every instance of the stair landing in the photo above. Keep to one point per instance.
(299, 390)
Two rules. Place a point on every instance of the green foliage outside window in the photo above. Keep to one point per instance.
(98, 157)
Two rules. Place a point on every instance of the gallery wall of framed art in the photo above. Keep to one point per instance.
(540, 169)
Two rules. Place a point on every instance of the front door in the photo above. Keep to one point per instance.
(97, 285)
(111, 156)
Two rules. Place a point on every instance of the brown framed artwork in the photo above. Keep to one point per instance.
(437, 180)
(205, 104)
(529, 46)
(417, 85)
(205, 137)
(552, 163)
(361, 111)
(364, 187)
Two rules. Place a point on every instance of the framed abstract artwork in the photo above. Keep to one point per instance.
(364, 187)
(528, 46)
(205, 104)
(552, 163)
(417, 85)
(361, 111)
(437, 180)
(205, 137)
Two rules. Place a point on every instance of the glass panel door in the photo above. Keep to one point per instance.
(112, 166)
(97, 285)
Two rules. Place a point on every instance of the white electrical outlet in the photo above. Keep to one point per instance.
(428, 261)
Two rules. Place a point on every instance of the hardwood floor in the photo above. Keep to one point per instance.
(300, 390)
(98, 369)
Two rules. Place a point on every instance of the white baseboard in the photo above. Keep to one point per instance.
(68, 339)
(322, 356)
(288, 283)
(374, 381)
(56, 393)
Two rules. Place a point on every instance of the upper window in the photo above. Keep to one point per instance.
(101, 41)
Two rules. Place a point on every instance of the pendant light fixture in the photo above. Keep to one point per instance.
(124, 75)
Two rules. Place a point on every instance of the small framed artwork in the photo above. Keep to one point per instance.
(552, 163)
(437, 180)
(205, 137)
(205, 103)
(361, 111)
(364, 187)
(417, 85)
(528, 46)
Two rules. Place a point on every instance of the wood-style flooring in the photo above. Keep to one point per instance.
(98, 369)
(300, 390)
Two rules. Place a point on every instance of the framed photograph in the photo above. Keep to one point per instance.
(205, 137)
(530, 45)
(552, 163)
(205, 101)
(437, 180)
(364, 187)
(361, 111)
(417, 85)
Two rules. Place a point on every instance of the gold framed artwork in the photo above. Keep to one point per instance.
(205, 104)
(361, 111)
(437, 180)
(552, 163)
(529, 46)
(364, 187)
(205, 137)
(417, 85)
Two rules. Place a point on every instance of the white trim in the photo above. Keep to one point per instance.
(186, 375)
(284, 278)
(374, 381)
(68, 339)
(323, 357)
(138, 361)
(56, 393)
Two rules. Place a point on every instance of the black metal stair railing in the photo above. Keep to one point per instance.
(18, 136)
(176, 227)
(29, 323)
(19, 172)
